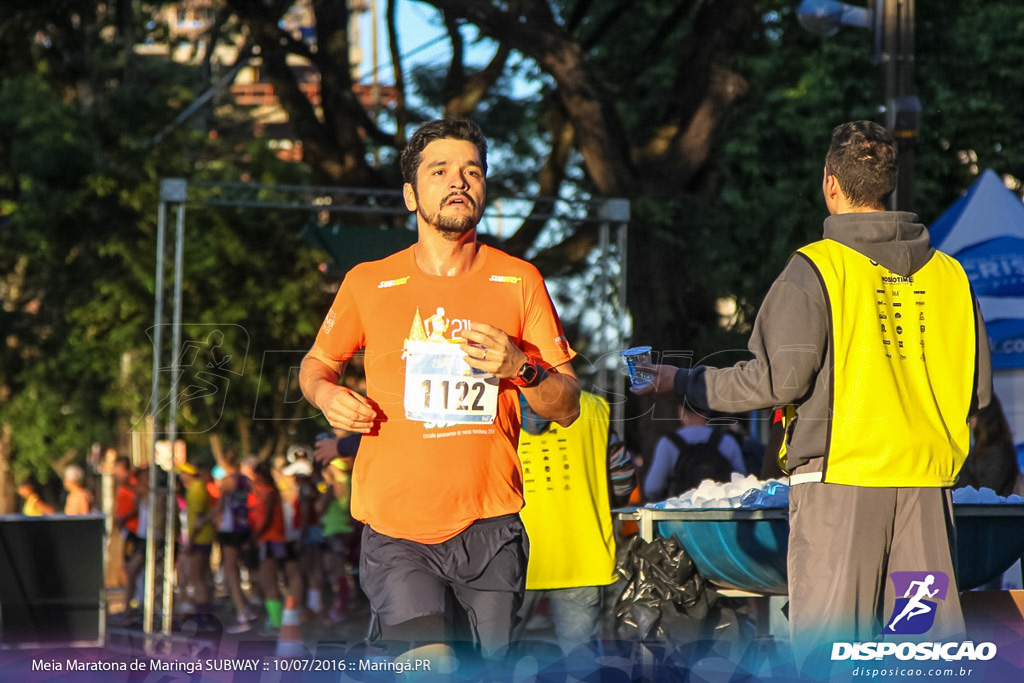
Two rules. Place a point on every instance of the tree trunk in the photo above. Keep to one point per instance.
(245, 437)
(217, 446)
(8, 499)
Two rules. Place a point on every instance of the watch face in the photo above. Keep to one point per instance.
(528, 372)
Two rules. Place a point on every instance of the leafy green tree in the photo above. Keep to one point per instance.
(48, 160)
(968, 76)
(70, 177)
(710, 117)
(79, 173)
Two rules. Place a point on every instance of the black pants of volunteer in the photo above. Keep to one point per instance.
(844, 541)
(466, 589)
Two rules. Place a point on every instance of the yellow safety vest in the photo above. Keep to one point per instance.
(567, 514)
(903, 375)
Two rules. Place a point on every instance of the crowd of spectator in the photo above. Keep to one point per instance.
(253, 530)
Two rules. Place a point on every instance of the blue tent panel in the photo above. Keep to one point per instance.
(984, 231)
(986, 212)
(996, 267)
(1006, 337)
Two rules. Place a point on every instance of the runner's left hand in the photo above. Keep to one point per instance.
(490, 349)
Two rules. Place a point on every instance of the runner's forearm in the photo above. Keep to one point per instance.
(556, 397)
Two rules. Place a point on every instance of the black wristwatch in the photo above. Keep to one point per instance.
(529, 374)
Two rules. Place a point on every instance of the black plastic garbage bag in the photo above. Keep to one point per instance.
(665, 597)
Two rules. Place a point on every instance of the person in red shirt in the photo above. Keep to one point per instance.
(452, 331)
(267, 520)
(126, 520)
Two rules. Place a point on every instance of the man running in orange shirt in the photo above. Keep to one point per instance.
(452, 332)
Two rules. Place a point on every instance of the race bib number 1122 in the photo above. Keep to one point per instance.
(440, 387)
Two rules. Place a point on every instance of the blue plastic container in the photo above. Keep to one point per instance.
(989, 539)
(746, 549)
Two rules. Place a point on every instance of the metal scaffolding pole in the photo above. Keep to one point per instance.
(154, 402)
(172, 430)
(615, 212)
(172, 191)
(895, 35)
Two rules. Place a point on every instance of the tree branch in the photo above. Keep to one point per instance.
(597, 129)
(213, 35)
(552, 174)
(464, 102)
(568, 254)
(456, 66)
(577, 15)
(702, 91)
(296, 47)
(340, 104)
(608, 23)
(401, 112)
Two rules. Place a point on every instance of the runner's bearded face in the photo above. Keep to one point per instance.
(450, 187)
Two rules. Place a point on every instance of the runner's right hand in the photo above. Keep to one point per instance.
(345, 409)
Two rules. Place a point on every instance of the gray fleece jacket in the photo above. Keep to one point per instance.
(790, 343)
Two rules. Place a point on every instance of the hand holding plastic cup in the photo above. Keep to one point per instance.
(635, 358)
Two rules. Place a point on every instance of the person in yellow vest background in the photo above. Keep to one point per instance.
(877, 341)
(572, 478)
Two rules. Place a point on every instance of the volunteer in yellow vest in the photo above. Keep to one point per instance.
(877, 341)
(200, 533)
(572, 477)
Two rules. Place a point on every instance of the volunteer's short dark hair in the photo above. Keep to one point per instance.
(264, 469)
(443, 129)
(862, 157)
(29, 481)
(992, 426)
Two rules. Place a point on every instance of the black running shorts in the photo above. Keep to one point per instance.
(481, 572)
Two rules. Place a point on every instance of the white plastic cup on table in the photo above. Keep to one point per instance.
(635, 358)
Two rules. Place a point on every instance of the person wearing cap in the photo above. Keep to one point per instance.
(298, 452)
(437, 466)
(312, 539)
(297, 500)
(875, 342)
(200, 534)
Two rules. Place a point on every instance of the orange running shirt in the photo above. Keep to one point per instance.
(124, 500)
(413, 479)
(275, 532)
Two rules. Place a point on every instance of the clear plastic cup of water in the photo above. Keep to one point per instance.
(634, 358)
